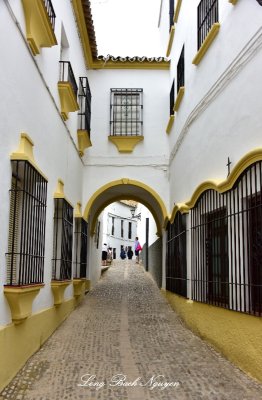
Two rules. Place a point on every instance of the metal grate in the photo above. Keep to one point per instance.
(176, 266)
(63, 240)
(50, 11)
(67, 75)
(171, 14)
(181, 71)
(84, 115)
(80, 263)
(27, 218)
(227, 245)
(207, 15)
(126, 112)
(172, 98)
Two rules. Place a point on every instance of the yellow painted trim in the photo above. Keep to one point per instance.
(78, 210)
(68, 99)
(233, 2)
(83, 141)
(126, 181)
(177, 10)
(58, 288)
(179, 97)
(170, 123)
(100, 64)
(125, 144)
(25, 152)
(39, 31)
(236, 335)
(20, 300)
(207, 42)
(182, 208)
(170, 40)
(19, 342)
(59, 193)
(88, 285)
(79, 287)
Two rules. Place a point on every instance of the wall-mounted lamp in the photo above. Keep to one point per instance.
(138, 216)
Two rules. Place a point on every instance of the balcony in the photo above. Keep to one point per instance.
(67, 89)
(84, 116)
(40, 24)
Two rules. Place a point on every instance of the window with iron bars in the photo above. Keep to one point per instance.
(67, 75)
(176, 265)
(84, 114)
(129, 230)
(181, 71)
(63, 240)
(227, 245)
(126, 108)
(172, 98)
(113, 226)
(27, 220)
(171, 13)
(50, 11)
(207, 15)
(80, 242)
(122, 228)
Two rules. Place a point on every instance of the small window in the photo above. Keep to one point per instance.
(113, 226)
(129, 230)
(27, 219)
(181, 71)
(126, 112)
(80, 248)
(63, 240)
(122, 228)
(84, 114)
(172, 98)
(171, 14)
(207, 15)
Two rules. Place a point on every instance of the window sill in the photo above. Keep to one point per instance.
(58, 288)
(177, 10)
(233, 2)
(79, 286)
(125, 144)
(179, 97)
(39, 31)
(83, 141)
(206, 44)
(20, 300)
(170, 123)
(170, 41)
(67, 99)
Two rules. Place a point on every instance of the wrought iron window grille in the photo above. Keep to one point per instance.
(126, 117)
(84, 114)
(172, 99)
(226, 239)
(181, 71)
(171, 14)
(176, 265)
(67, 75)
(80, 263)
(63, 240)
(207, 15)
(27, 220)
(129, 230)
(50, 11)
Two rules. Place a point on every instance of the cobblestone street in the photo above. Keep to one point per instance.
(125, 331)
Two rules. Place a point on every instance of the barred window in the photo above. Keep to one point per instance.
(63, 240)
(113, 226)
(27, 220)
(126, 112)
(122, 228)
(84, 114)
(80, 241)
(172, 98)
(176, 266)
(171, 13)
(181, 71)
(227, 245)
(129, 230)
(207, 15)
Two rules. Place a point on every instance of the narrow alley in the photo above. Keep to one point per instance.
(125, 342)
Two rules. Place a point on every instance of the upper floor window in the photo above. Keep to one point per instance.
(84, 115)
(122, 228)
(172, 98)
(126, 112)
(181, 71)
(67, 75)
(129, 230)
(171, 13)
(27, 218)
(207, 15)
(113, 226)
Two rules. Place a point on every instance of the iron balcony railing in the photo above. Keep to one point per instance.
(207, 15)
(67, 75)
(84, 115)
(181, 71)
(27, 220)
(126, 112)
(50, 11)
(172, 99)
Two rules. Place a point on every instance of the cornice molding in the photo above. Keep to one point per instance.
(243, 58)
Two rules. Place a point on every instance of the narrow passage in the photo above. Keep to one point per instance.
(125, 342)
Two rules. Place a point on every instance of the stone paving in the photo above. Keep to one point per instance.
(124, 342)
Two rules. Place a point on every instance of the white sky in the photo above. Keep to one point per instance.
(127, 27)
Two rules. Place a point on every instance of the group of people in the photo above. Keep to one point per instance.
(129, 252)
(106, 254)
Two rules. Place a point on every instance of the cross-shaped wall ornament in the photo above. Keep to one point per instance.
(228, 166)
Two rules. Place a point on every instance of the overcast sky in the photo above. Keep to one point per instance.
(127, 27)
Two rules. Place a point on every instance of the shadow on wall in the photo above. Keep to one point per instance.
(154, 260)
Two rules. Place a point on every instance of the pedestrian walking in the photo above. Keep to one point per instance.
(104, 254)
(138, 248)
